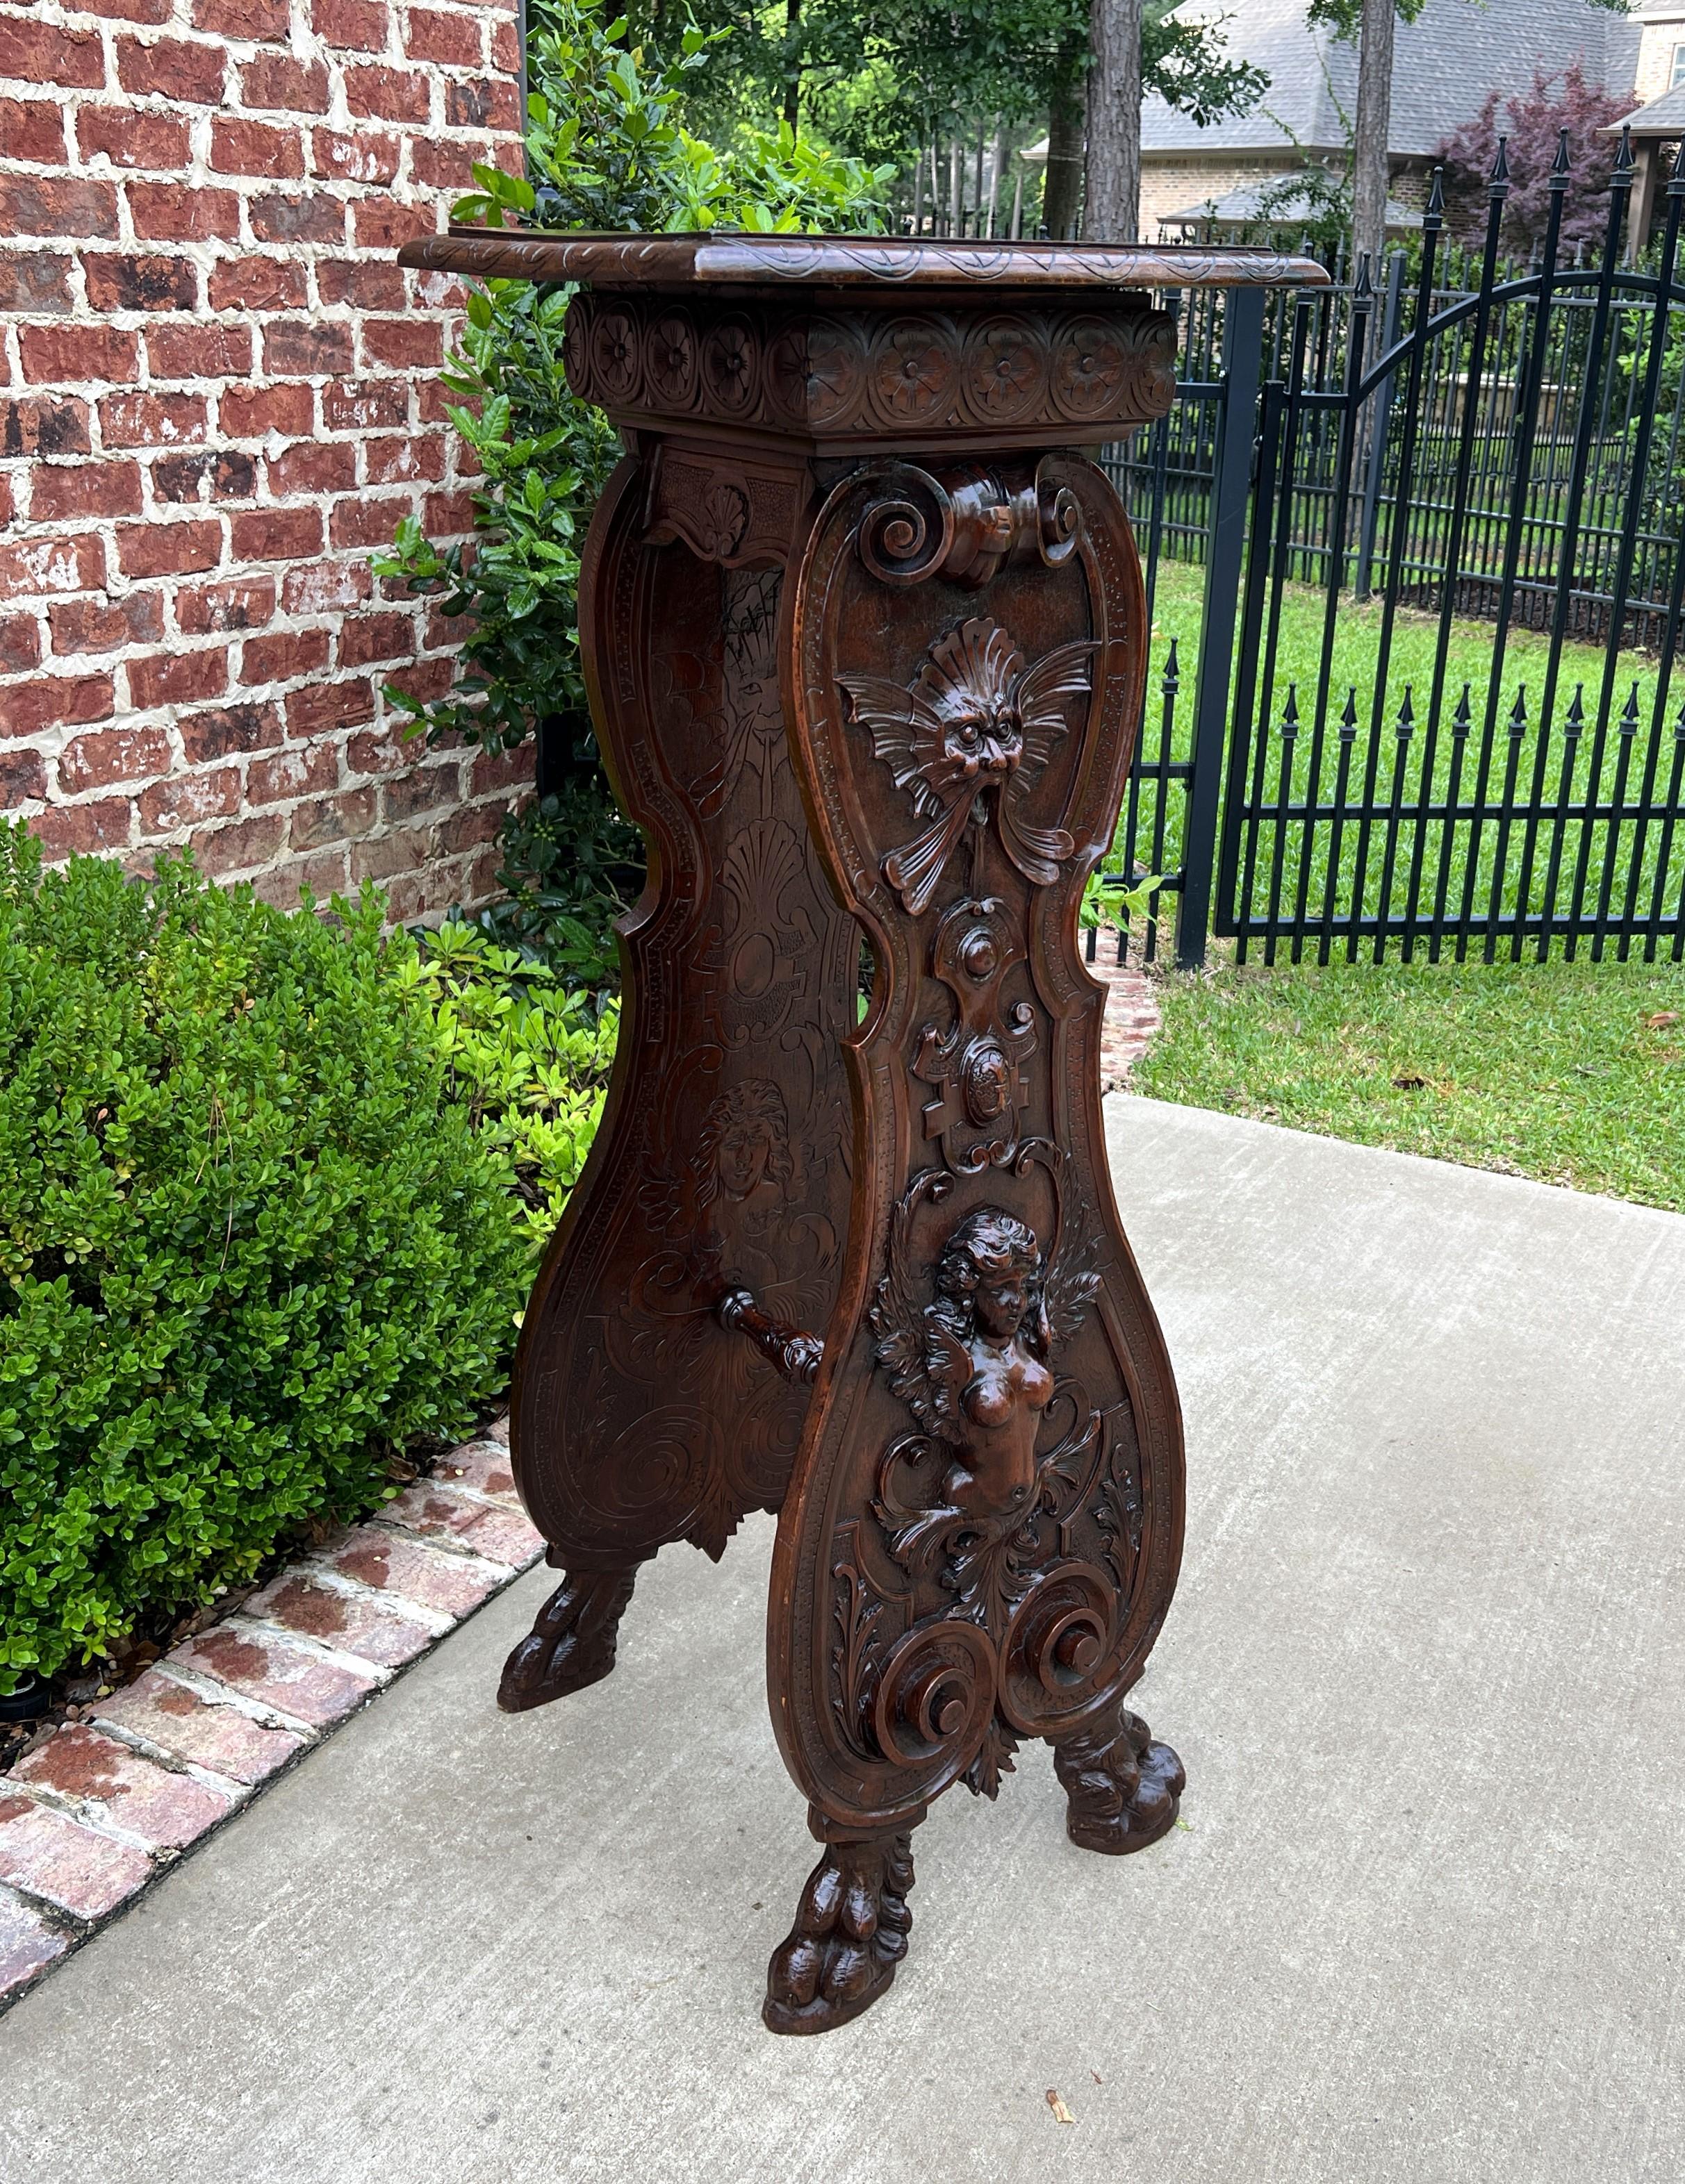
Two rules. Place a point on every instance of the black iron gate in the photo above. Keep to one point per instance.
(1433, 700)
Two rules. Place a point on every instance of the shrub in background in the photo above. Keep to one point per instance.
(250, 1243)
(606, 148)
(527, 1056)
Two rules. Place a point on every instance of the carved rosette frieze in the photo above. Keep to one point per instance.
(864, 371)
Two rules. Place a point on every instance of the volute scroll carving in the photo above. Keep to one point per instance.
(966, 525)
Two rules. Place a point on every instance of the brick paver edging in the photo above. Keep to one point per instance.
(1132, 1017)
(105, 1806)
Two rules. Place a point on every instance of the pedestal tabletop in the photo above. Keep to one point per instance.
(862, 627)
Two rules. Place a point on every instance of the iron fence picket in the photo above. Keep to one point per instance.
(1514, 456)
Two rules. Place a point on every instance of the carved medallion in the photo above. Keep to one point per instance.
(967, 741)
(978, 1067)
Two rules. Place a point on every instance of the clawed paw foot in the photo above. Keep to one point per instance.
(1124, 1789)
(849, 1933)
(571, 1644)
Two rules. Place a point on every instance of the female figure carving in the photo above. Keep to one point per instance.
(987, 1339)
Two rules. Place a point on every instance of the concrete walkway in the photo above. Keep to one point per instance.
(1427, 1669)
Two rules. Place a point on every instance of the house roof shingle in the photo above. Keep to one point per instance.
(1444, 64)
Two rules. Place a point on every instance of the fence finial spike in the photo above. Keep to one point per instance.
(1562, 165)
(1623, 161)
(1435, 213)
(1171, 668)
(1498, 178)
(1362, 288)
(1348, 719)
(1407, 714)
(1461, 719)
(1518, 711)
(1629, 718)
(1577, 711)
(1290, 711)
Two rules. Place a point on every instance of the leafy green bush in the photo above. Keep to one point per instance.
(605, 149)
(527, 1057)
(249, 1243)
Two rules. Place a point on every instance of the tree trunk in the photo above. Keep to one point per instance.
(1111, 173)
(792, 81)
(1062, 189)
(1372, 127)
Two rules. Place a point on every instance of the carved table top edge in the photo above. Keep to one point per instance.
(774, 262)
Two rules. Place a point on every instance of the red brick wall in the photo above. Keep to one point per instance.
(219, 394)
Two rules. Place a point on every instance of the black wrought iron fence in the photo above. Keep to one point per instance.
(1429, 699)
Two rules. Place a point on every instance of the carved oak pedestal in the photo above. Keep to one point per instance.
(863, 632)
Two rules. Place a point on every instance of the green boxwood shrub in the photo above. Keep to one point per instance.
(250, 1243)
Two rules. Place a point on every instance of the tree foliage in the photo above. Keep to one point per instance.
(1531, 123)
(881, 77)
(606, 149)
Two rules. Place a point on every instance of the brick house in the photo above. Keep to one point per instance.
(221, 394)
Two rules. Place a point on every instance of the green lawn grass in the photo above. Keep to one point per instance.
(1570, 1073)
(1427, 859)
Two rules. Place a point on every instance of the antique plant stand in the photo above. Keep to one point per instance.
(862, 628)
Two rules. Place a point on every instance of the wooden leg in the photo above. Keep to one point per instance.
(851, 1932)
(1123, 1790)
(571, 1643)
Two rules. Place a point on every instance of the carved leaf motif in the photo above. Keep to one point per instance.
(898, 1321)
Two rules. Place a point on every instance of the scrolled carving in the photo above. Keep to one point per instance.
(1059, 519)
(935, 1697)
(907, 534)
(968, 739)
(1059, 1648)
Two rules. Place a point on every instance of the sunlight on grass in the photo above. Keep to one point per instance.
(1573, 1074)
(1357, 645)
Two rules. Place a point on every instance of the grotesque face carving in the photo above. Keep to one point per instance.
(979, 717)
(983, 739)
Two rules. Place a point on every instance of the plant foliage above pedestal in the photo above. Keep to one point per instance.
(606, 148)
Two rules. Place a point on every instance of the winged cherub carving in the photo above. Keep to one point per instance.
(977, 719)
(973, 1364)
